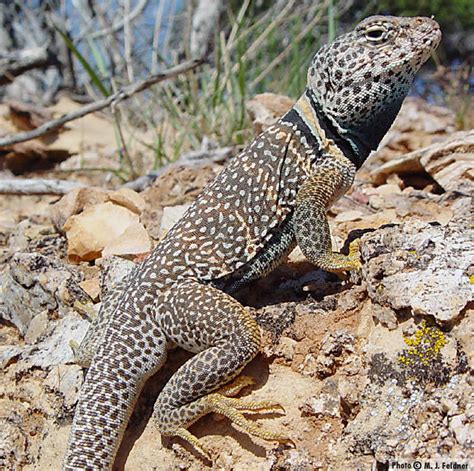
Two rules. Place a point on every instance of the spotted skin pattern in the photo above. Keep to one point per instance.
(269, 198)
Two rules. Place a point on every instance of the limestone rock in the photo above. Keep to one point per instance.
(450, 163)
(66, 380)
(421, 267)
(35, 283)
(55, 348)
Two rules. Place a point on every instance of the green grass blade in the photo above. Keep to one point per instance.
(90, 71)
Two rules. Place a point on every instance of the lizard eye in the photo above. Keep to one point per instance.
(375, 34)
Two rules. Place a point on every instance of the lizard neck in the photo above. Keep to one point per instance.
(317, 128)
(356, 140)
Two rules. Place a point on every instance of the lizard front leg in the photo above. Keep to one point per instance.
(311, 226)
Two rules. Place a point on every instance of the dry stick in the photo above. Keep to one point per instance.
(127, 39)
(114, 28)
(32, 186)
(117, 97)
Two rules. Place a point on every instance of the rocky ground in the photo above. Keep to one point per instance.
(371, 368)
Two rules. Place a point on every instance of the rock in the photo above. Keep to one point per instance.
(177, 186)
(297, 460)
(35, 283)
(310, 366)
(13, 445)
(129, 199)
(328, 403)
(418, 125)
(285, 348)
(266, 108)
(55, 348)
(8, 353)
(114, 269)
(75, 202)
(333, 347)
(133, 241)
(462, 431)
(98, 228)
(79, 199)
(419, 266)
(37, 327)
(66, 380)
(351, 215)
(385, 315)
(171, 215)
(91, 287)
(385, 189)
(450, 163)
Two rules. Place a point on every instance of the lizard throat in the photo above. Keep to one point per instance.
(310, 119)
(356, 140)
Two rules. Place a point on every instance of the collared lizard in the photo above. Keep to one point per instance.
(270, 197)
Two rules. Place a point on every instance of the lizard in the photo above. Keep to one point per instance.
(272, 196)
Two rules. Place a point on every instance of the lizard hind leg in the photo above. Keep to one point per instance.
(203, 319)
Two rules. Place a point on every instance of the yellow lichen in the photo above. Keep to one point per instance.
(424, 346)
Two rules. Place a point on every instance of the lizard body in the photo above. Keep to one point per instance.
(269, 198)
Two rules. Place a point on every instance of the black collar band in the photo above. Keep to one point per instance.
(353, 151)
(293, 117)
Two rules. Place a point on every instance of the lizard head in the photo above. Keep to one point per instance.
(361, 79)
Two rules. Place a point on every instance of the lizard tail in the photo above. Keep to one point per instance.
(133, 349)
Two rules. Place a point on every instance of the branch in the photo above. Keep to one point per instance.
(30, 186)
(115, 27)
(191, 159)
(113, 99)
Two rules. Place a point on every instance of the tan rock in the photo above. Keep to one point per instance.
(91, 287)
(133, 241)
(266, 108)
(171, 215)
(91, 231)
(37, 327)
(129, 199)
(74, 202)
(450, 163)
(350, 215)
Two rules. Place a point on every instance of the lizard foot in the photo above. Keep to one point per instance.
(234, 387)
(339, 263)
(223, 403)
(234, 408)
(247, 407)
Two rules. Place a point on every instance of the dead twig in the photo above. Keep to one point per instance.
(31, 186)
(191, 159)
(113, 99)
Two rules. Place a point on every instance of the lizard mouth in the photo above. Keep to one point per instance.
(432, 36)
